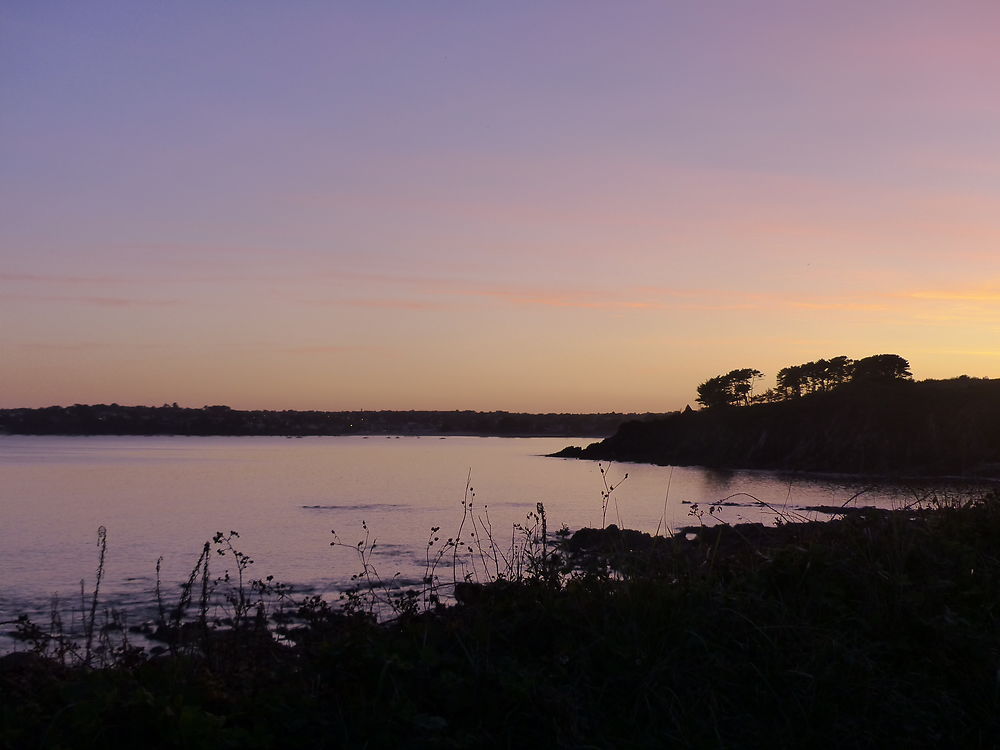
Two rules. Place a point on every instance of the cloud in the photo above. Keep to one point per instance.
(643, 298)
(653, 299)
(379, 303)
(76, 346)
(122, 302)
(93, 301)
(965, 352)
(835, 305)
(38, 278)
(957, 295)
(324, 349)
(79, 346)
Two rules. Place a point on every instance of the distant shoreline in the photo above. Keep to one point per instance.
(223, 421)
(387, 435)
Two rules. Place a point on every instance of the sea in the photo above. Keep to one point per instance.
(312, 512)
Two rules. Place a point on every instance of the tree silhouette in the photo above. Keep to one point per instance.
(791, 380)
(742, 383)
(838, 370)
(812, 377)
(733, 388)
(714, 392)
(881, 367)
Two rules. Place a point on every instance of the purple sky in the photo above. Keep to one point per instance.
(545, 206)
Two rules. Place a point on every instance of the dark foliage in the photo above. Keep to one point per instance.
(732, 389)
(940, 427)
(735, 388)
(876, 630)
(113, 419)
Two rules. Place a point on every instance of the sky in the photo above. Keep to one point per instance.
(531, 206)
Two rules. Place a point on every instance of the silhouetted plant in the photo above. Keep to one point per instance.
(102, 546)
(236, 595)
(874, 630)
(606, 493)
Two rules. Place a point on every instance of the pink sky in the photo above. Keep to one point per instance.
(556, 206)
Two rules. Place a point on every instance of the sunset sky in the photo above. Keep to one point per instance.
(530, 206)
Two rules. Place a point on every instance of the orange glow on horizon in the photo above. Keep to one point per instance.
(358, 216)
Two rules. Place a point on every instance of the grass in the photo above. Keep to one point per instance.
(876, 629)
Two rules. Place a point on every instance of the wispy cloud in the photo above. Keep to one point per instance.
(832, 304)
(144, 279)
(967, 352)
(44, 278)
(957, 295)
(122, 301)
(954, 305)
(379, 303)
(74, 346)
(92, 301)
(652, 299)
(434, 292)
(323, 349)
(79, 346)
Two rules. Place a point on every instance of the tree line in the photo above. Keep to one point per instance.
(735, 388)
(171, 419)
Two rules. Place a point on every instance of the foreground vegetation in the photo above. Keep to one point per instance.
(875, 629)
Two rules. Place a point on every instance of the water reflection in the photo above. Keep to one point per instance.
(165, 496)
(718, 481)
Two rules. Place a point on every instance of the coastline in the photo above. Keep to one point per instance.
(874, 630)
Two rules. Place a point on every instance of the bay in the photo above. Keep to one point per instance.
(166, 496)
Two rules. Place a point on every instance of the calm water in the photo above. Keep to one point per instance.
(166, 496)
